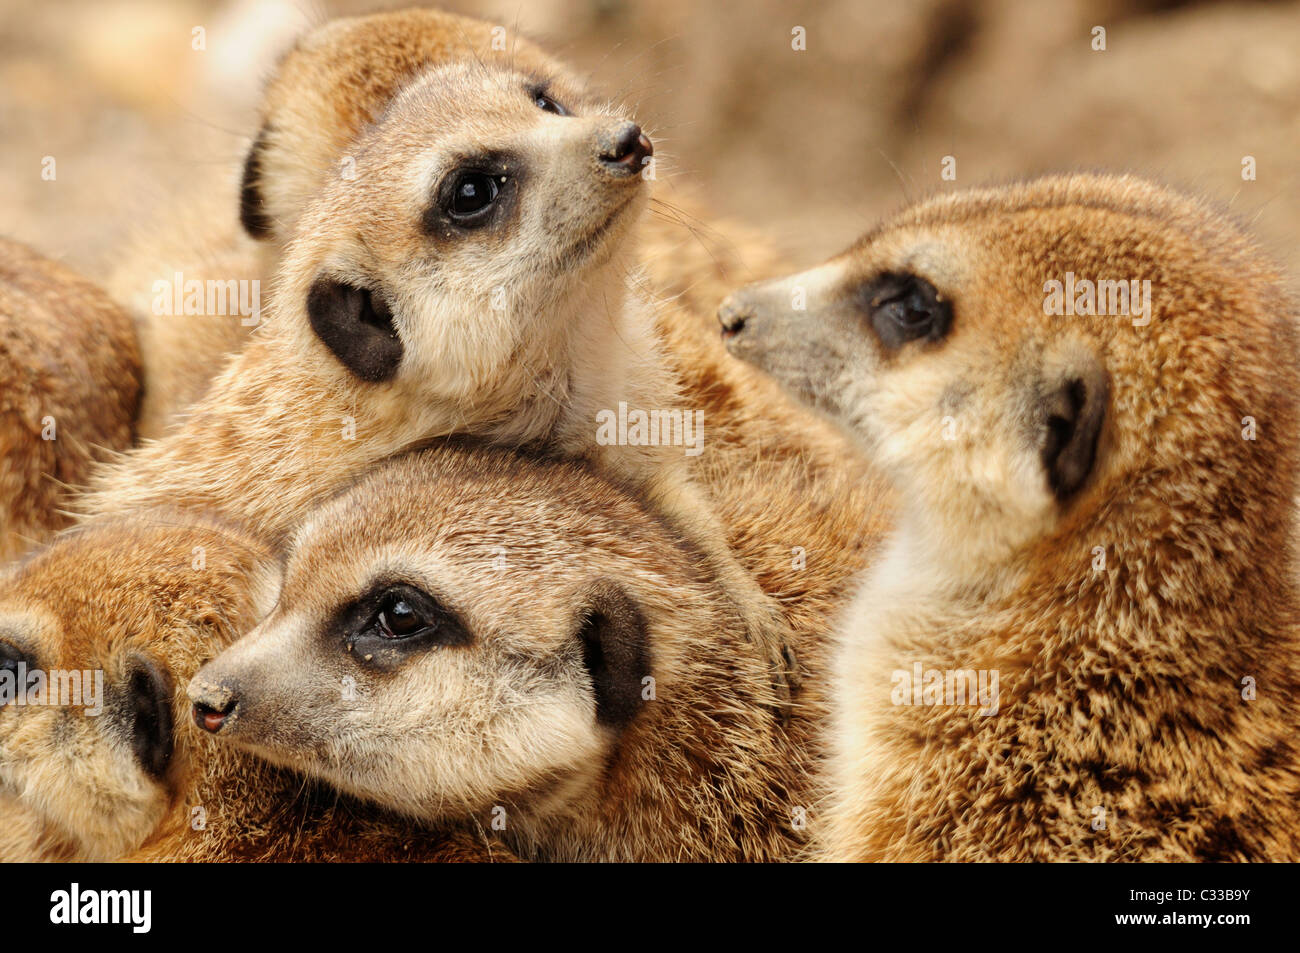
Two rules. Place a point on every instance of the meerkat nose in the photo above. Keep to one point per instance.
(733, 314)
(626, 147)
(211, 703)
(209, 719)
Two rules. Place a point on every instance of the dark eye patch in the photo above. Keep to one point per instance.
(392, 620)
(903, 307)
(478, 192)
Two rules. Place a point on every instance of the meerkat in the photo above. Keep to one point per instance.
(112, 767)
(470, 279)
(69, 363)
(1095, 507)
(525, 644)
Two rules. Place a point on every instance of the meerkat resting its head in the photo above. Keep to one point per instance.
(469, 277)
(69, 390)
(99, 636)
(1081, 642)
(471, 632)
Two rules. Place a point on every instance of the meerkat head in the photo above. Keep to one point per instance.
(483, 215)
(1016, 357)
(337, 80)
(99, 634)
(485, 634)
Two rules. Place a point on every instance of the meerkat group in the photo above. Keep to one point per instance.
(954, 577)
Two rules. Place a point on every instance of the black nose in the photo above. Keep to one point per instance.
(212, 703)
(732, 315)
(211, 719)
(626, 148)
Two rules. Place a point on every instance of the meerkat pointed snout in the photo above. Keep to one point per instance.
(1082, 388)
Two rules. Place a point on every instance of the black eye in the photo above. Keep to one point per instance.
(472, 194)
(393, 620)
(398, 619)
(904, 307)
(547, 104)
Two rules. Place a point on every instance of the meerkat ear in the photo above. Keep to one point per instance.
(357, 326)
(1074, 411)
(612, 633)
(252, 203)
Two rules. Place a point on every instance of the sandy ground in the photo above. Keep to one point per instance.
(808, 144)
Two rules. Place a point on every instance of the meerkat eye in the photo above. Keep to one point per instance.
(904, 307)
(547, 104)
(472, 195)
(398, 619)
(394, 619)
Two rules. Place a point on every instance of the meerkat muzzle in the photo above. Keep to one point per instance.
(624, 149)
(211, 704)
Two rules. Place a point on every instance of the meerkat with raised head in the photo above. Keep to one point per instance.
(526, 645)
(469, 279)
(104, 762)
(69, 390)
(1096, 509)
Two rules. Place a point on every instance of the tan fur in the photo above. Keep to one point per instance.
(520, 333)
(69, 354)
(1124, 729)
(339, 79)
(520, 550)
(180, 354)
(170, 588)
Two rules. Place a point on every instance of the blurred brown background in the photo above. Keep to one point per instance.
(809, 145)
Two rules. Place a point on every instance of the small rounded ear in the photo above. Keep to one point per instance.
(1074, 411)
(149, 715)
(357, 326)
(615, 650)
(252, 204)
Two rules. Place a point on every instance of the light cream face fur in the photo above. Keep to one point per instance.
(935, 353)
(540, 591)
(122, 600)
(482, 312)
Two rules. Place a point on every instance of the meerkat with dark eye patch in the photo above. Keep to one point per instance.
(1096, 507)
(116, 770)
(526, 644)
(69, 390)
(469, 279)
